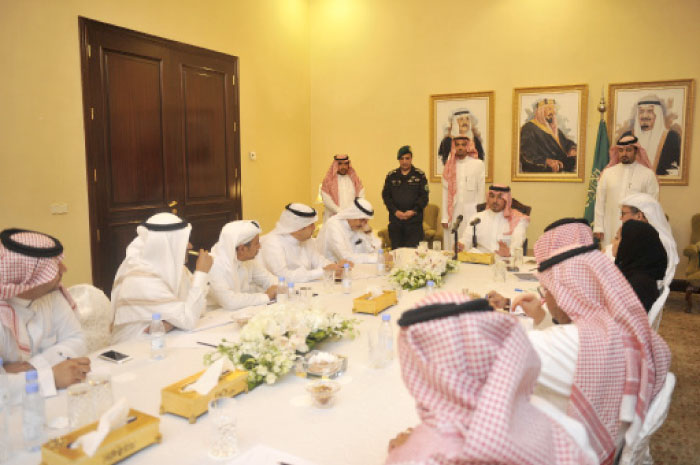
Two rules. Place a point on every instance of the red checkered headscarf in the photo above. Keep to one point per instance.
(622, 363)
(642, 158)
(330, 182)
(472, 375)
(449, 173)
(21, 271)
(513, 216)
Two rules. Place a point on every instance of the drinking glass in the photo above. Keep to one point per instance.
(328, 280)
(437, 245)
(423, 246)
(224, 437)
(81, 409)
(101, 387)
(499, 270)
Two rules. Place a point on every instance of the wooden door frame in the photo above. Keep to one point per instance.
(94, 156)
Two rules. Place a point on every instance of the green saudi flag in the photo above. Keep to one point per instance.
(601, 159)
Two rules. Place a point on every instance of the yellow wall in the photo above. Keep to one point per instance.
(42, 157)
(325, 76)
(374, 64)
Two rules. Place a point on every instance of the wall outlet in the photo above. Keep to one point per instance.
(253, 156)
(59, 208)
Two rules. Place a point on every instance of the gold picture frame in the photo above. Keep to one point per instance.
(538, 114)
(633, 109)
(442, 107)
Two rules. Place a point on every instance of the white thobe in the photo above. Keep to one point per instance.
(616, 183)
(494, 227)
(241, 287)
(346, 196)
(337, 242)
(140, 296)
(557, 346)
(297, 262)
(54, 334)
(471, 179)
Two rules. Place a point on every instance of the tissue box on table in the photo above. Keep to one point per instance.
(373, 305)
(476, 257)
(119, 443)
(190, 404)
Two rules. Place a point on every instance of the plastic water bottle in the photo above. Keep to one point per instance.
(282, 295)
(291, 292)
(33, 418)
(4, 416)
(347, 279)
(430, 287)
(385, 341)
(381, 266)
(157, 338)
(31, 376)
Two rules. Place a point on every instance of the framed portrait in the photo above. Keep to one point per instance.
(660, 115)
(549, 133)
(469, 114)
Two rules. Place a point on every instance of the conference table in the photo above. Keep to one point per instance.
(371, 408)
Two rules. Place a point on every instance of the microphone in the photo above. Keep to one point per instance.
(475, 221)
(458, 221)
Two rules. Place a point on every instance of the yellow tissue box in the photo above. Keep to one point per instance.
(476, 257)
(191, 404)
(365, 304)
(118, 445)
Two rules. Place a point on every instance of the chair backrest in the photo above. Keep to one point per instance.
(637, 451)
(521, 207)
(95, 315)
(695, 229)
(431, 215)
(658, 309)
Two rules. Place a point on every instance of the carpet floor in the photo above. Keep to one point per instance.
(677, 442)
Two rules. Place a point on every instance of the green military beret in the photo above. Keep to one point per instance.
(403, 151)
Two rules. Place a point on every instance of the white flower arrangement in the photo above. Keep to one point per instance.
(271, 339)
(422, 266)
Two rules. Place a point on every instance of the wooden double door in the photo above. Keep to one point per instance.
(161, 134)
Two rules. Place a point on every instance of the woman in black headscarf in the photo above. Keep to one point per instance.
(642, 259)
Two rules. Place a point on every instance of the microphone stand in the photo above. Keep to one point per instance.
(474, 235)
(455, 231)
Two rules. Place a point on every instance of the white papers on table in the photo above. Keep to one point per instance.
(265, 455)
(212, 319)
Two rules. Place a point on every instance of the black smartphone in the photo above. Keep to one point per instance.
(114, 356)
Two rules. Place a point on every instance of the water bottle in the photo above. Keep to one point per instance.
(291, 292)
(157, 338)
(385, 341)
(347, 279)
(381, 266)
(31, 376)
(282, 290)
(4, 416)
(429, 287)
(33, 418)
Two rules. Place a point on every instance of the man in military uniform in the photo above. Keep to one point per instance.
(405, 195)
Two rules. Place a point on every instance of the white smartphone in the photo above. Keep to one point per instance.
(114, 356)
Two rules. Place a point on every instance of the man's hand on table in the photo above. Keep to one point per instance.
(271, 292)
(71, 371)
(17, 367)
(531, 305)
(460, 247)
(400, 438)
(496, 300)
(503, 249)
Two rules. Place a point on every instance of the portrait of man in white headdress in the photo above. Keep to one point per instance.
(459, 116)
(657, 114)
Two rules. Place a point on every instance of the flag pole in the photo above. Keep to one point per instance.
(601, 105)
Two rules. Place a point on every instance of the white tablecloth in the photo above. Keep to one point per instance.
(372, 407)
